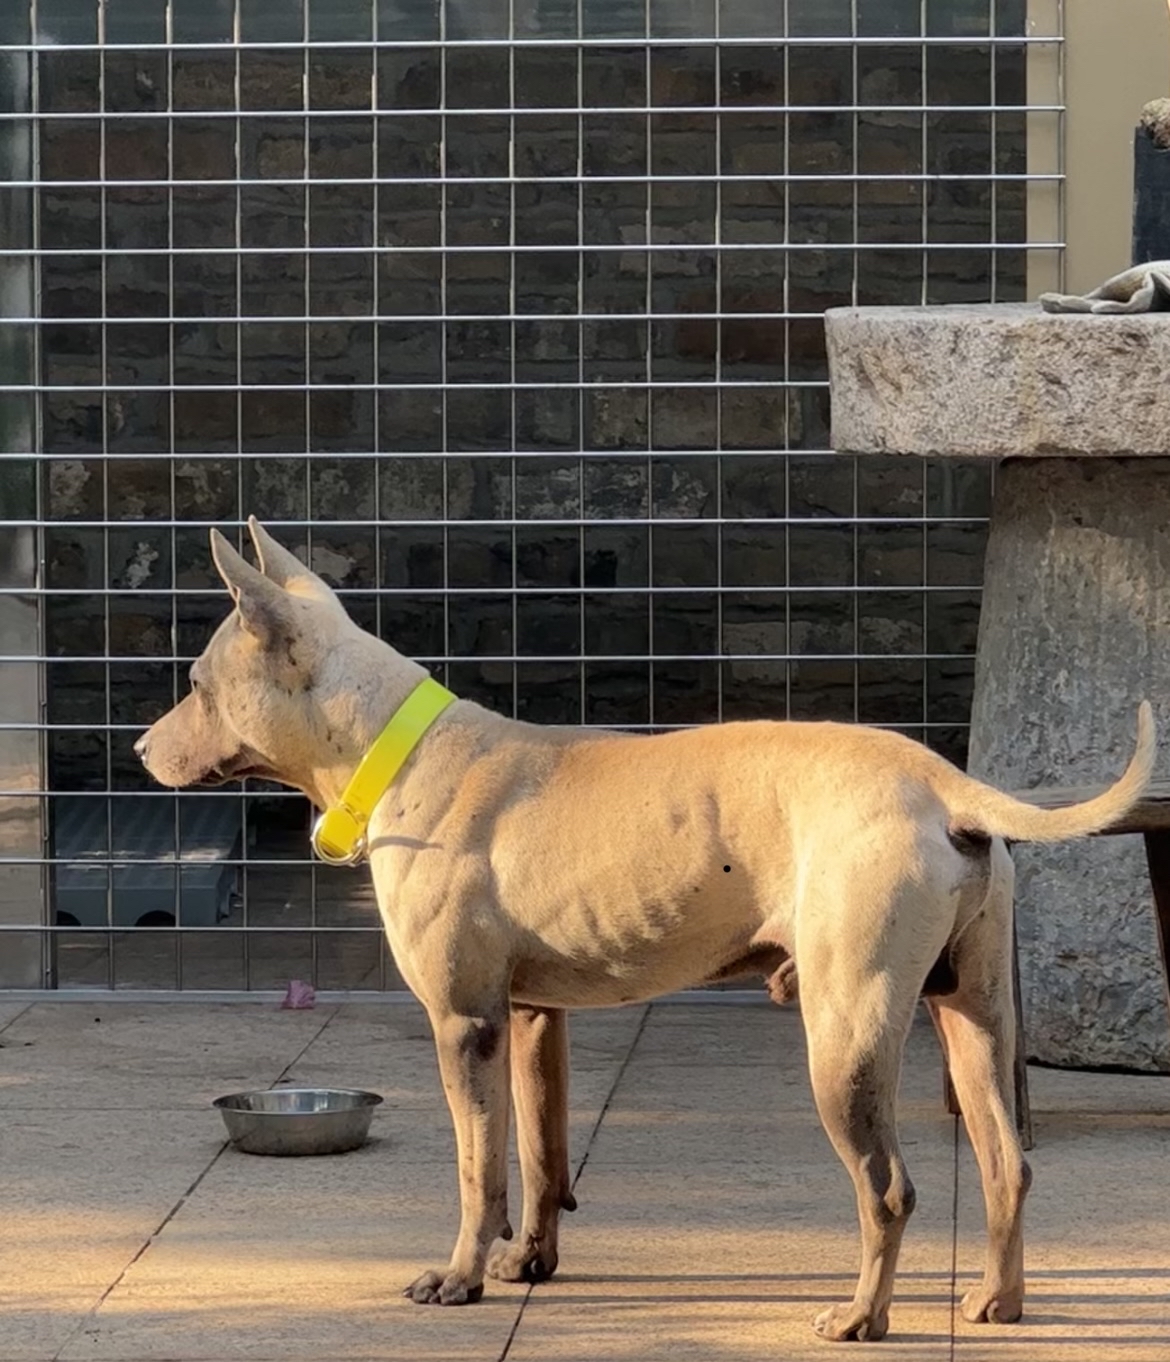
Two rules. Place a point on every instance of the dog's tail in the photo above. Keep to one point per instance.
(996, 814)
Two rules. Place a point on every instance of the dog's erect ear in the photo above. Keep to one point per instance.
(264, 608)
(284, 568)
(276, 562)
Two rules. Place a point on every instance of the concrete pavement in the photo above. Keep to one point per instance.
(714, 1217)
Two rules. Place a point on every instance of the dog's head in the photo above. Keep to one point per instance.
(271, 695)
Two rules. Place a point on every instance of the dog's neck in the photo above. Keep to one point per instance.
(368, 683)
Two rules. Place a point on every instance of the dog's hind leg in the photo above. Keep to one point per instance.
(855, 1078)
(977, 1025)
(473, 1061)
(863, 962)
(540, 1094)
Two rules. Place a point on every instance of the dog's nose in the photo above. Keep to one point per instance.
(141, 745)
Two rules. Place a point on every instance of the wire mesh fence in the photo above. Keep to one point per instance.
(506, 314)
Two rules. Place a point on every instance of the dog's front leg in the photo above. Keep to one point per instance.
(473, 1061)
(540, 1092)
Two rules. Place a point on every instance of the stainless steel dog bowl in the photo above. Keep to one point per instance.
(292, 1121)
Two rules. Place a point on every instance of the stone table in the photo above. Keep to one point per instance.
(1075, 624)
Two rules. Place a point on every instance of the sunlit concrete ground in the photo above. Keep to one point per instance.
(714, 1218)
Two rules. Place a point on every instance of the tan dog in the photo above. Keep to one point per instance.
(522, 870)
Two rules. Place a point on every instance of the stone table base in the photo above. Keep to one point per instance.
(1075, 622)
(1075, 627)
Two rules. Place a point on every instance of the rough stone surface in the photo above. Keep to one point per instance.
(997, 381)
(1075, 629)
(1155, 121)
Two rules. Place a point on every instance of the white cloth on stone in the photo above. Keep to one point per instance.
(1145, 288)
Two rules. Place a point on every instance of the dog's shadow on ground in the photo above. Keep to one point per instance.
(763, 1289)
(744, 1288)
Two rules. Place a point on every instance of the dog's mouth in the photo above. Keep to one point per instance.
(243, 766)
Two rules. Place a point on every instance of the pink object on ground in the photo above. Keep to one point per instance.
(299, 995)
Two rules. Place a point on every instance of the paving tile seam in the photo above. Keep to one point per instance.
(152, 1238)
(313, 1039)
(601, 1115)
(24, 1011)
(609, 1096)
(140, 1251)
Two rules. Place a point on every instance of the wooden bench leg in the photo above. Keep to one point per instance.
(1020, 1059)
(1158, 857)
(1020, 1063)
(950, 1096)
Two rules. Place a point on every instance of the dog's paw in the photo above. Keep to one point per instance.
(439, 1288)
(982, 1306)
(850, 1323)
(528, 1261)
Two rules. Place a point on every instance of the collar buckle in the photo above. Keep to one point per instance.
(339, 837)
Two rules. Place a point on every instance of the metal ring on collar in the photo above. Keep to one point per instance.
(329, 840)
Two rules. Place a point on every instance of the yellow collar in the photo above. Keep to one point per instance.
(339, 835)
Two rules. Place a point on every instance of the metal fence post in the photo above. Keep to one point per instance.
(23, 955)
